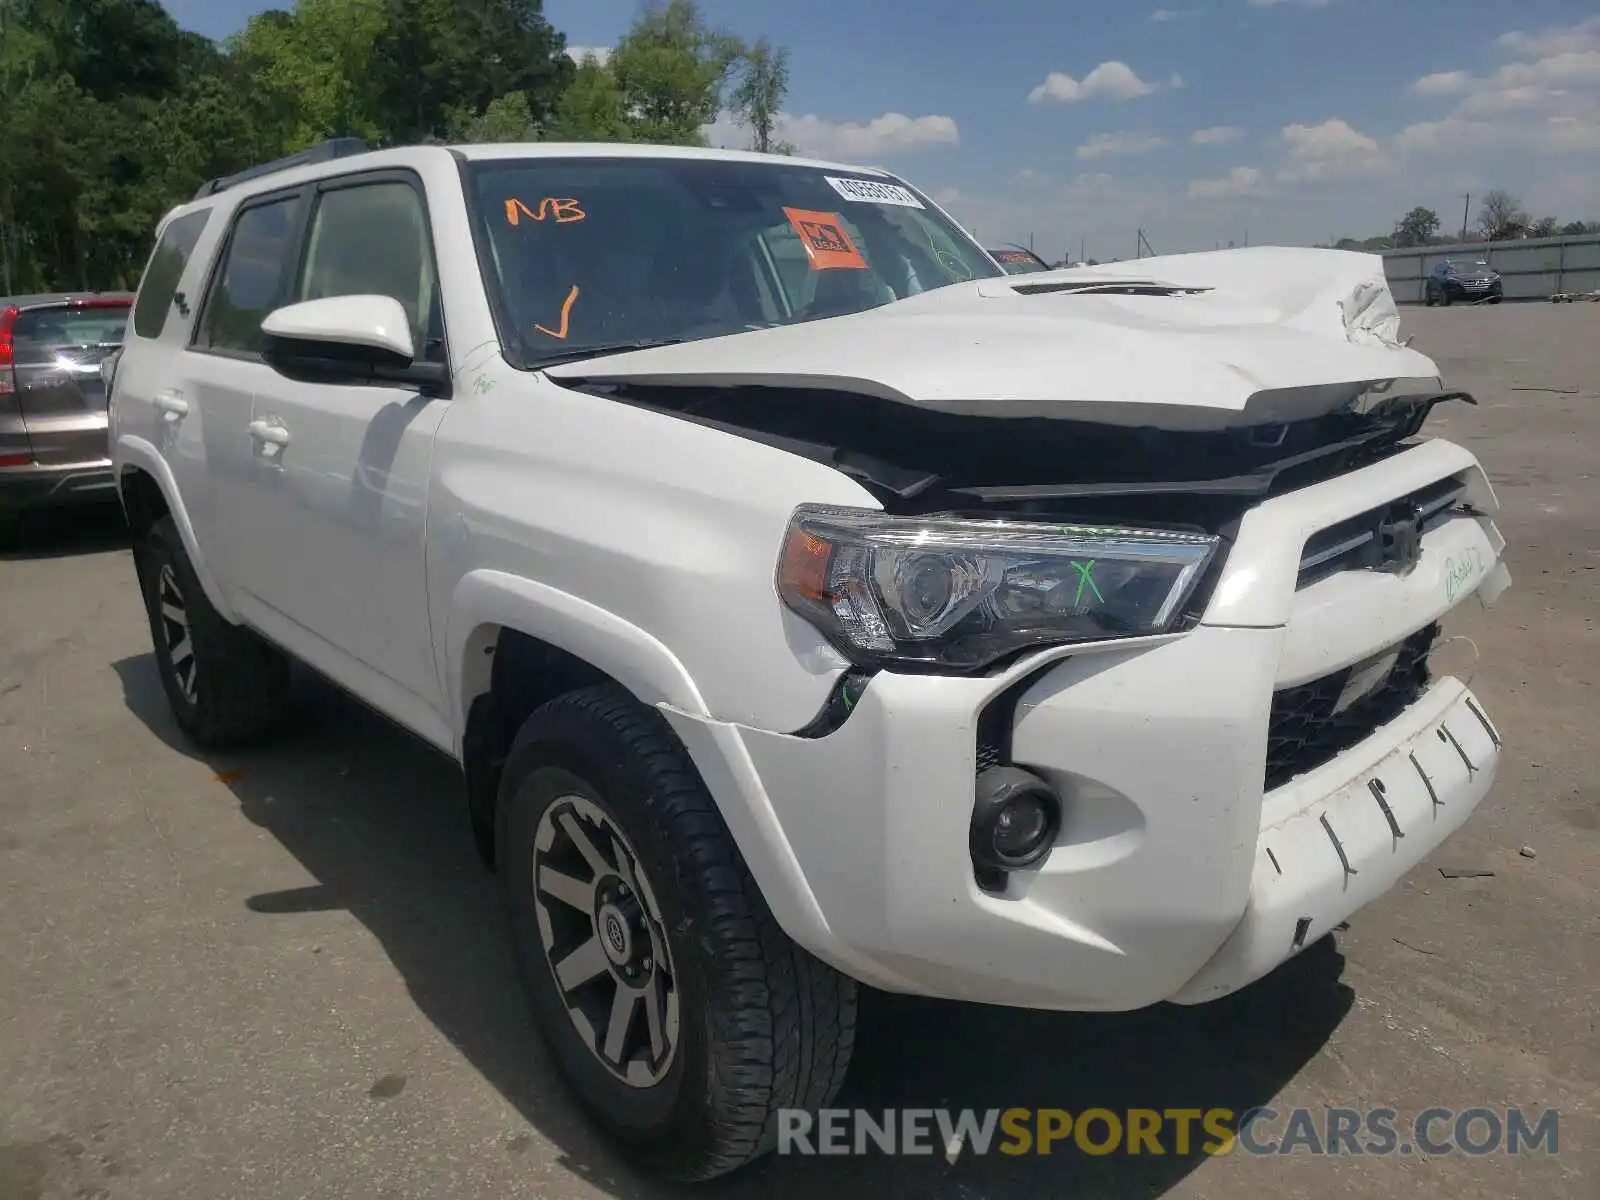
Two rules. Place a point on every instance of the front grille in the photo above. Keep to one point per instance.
(1305, 732)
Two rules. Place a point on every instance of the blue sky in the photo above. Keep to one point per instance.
(1078, 121)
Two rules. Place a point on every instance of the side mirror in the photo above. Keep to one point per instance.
(354, 340)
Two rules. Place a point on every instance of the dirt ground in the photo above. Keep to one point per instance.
(282, 974)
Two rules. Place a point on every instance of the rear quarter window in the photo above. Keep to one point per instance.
(159, 287)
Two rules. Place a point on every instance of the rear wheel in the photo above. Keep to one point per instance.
(677, 1011)
(225, 685)
(1444, 297)
(1427, 297)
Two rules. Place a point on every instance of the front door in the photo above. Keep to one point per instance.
(340, 481)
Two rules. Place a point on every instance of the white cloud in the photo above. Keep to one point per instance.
(1163, 15)
(1331, 150)
(1585, 35)
(1546, 100)
(1216, 135)
(1241, 181)
(1290, 3)
(816, 137)
(1126, 142)
(1112, 80)
(1560, 134)
(1442, 83)
(578, 53)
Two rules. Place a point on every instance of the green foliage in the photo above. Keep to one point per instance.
(592, 109)
(758, 96)
(507, 118)
(114, 115)
(1417, 227)
(671, 69)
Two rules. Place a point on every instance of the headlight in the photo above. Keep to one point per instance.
(961, 593)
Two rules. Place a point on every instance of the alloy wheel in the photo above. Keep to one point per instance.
(175, 629)
(604, 941)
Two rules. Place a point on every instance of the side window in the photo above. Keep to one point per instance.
(161, 277)
(372, 239)
(250, 282)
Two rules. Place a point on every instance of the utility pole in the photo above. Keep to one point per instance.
(1465, 209)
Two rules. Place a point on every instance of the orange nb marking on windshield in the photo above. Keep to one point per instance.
(564, 210)
(827, 245)
(566, 312)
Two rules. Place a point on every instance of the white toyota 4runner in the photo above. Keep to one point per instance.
(807, 602)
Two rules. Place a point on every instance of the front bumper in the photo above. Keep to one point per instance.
(1176, 875)
(35, 486)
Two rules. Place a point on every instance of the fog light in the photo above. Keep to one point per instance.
(1016, 817)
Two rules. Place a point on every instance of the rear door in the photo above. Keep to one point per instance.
(57, 350)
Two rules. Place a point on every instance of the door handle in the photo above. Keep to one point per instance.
(172, 403)
(269, 432)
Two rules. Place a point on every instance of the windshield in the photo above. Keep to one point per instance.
(1468, 268)
(1018, 262)
(601, 253)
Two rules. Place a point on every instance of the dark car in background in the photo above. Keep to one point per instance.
(1017, 261)
(53, 440)
(1472, 282)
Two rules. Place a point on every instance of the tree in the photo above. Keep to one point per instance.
(1500, 215)
(671, 69)
(592, 109)
(317, 63)
(1543, 227)
(758, 96)
(1577, 228)
(507, 118)
(436, 59)
(1417, 227)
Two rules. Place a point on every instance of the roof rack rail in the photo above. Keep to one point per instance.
(327, 151)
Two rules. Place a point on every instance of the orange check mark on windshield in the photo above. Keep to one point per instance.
(566, 313)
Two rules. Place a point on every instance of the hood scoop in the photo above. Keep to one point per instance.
(1108, 287)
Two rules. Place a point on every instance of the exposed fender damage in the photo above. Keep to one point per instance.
(1196, 341)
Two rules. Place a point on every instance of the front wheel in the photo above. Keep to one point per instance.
(677, 1011)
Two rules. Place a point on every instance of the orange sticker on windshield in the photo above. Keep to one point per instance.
(827, 245)
(563, 210)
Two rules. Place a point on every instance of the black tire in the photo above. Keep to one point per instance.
(1496, 299)
(762, 1025)
(238, 689)
(1444, 297)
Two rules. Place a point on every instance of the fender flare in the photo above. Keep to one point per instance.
(649, 670)
(632, 656)
(136, 453)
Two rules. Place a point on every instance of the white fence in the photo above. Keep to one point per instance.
(1531, 268)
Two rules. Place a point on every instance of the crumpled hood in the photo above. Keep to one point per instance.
(1223, 337)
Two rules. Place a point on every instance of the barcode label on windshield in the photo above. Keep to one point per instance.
(869, 192)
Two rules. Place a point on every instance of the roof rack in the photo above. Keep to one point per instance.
(326, 151)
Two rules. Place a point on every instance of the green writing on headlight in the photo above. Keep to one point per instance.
(1085, 572)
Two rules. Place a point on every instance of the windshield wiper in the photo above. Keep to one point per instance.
(579, 353)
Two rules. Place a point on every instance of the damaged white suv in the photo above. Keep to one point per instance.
(806, 601)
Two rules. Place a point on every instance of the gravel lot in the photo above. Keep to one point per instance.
(281, 974)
